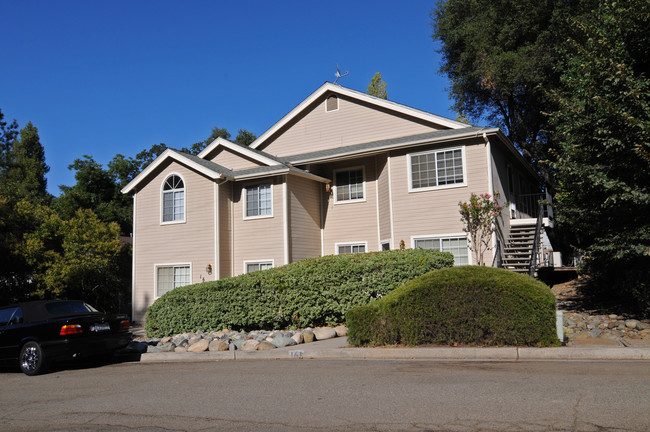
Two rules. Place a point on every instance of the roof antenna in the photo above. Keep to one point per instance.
(338, 73)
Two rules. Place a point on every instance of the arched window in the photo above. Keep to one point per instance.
(173, 199)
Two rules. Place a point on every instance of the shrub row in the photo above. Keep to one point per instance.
(310, 292)
(467, 305)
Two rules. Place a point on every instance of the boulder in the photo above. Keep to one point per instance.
(298, 338)
(341, 330)
(218, 345)
(308, 336)
(280, 341)
(323, 333)
(631, 323)
(180, 349)
(250, 345)
(265, 346)
(199, 346)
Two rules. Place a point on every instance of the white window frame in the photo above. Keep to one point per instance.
(452, 236)
(245, 199)
(429, 188)
(162, 200)
(352, 244)
(172, 265)
(259, 262)
(363, 184)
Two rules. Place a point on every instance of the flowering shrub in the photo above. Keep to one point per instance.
(479, 215)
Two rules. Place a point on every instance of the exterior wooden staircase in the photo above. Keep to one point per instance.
(518, 249)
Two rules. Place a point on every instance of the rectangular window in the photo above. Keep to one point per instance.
(456, 245)
(257, 266)
(350, 248)
(170, 277)
(348, 185)
(436, 169)
(258, 200)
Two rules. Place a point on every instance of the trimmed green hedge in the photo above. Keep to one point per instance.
(467, 305)
(310, 292)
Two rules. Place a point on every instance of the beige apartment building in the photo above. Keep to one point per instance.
(343, 172)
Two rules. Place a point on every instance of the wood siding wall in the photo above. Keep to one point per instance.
(258, 239)
(304, 221)
(191, 242)
(352, 123)
(231, 160)
(355, 221)
(434, 212)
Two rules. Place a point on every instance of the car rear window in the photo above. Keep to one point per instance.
(12, 315)
(69, 307)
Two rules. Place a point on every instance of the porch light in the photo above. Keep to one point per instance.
(208, 269)
(402, 245)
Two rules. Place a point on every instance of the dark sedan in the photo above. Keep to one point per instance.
(41, 332)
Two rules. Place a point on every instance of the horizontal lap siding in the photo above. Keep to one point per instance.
(352, 123)
(257, 239)
(384, 198)
(225, 230)
(434, 212)
(190, 242)
(305, 218)
(231, 160)
(355, 221)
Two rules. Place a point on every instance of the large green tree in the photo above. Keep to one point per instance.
(8, 133)
(603, 126)
(26, 170)
(501, 59)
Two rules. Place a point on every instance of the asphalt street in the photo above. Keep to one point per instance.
(331, 395)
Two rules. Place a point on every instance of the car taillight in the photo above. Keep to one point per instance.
(70, 329)
(124, 324)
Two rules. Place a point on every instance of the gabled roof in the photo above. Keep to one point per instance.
(259, 156)
(353, 94)
(210, 169)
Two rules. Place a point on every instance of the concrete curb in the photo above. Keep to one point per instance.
(338, 348)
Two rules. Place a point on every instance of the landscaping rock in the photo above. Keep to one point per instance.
(199, 346)
(218, 345)
(265, 346)
(308, 336)
(631, 323)
(298, 337)
(250, 345)
(323, 333)
(341, 330)
(280, 341)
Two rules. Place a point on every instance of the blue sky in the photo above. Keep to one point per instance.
(107, 77)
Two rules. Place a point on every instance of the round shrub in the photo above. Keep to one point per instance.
(310, 292)
(466, 305)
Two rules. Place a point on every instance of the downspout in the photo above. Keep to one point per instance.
(285, 217)
(133, 261)
(488, 153)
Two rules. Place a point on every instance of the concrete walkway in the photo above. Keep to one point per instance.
(338, 348)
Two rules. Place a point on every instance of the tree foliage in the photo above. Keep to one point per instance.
(603, 127)
(500, 57)
(377, 87)
(478, 216)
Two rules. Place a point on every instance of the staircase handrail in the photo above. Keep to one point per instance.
(535, 250)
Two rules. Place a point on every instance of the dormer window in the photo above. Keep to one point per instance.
(173, 199)
(332, 103)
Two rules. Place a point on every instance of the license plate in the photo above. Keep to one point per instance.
(100, 327)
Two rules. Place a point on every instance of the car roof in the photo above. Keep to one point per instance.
(36, 310)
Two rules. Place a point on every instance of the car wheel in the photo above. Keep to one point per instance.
(32, 360)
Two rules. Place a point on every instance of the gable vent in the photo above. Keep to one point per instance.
(332, 103)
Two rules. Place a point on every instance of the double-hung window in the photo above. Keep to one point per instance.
(259, 200)
(170, 277)
(257, 266)
(173, 199)
(350, 248)
(349, 185)
(436, 169)
(456, 245)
